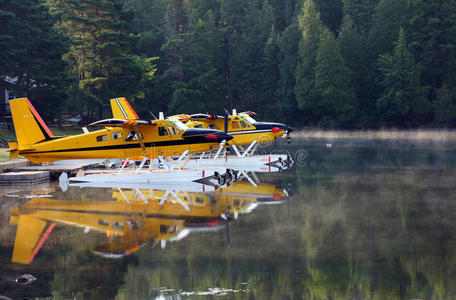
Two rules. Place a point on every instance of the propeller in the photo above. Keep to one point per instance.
(287, 117)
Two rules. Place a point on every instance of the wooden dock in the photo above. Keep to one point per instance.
(22, 172)
(24, 177)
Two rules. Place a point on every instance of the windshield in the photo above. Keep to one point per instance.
(179, 125)
(249, 119)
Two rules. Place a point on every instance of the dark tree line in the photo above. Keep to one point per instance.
(327, 63)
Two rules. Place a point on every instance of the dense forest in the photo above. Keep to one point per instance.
(325, 63)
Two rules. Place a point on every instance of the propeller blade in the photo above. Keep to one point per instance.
(226, 121)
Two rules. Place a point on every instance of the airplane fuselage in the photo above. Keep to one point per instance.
(113, 143)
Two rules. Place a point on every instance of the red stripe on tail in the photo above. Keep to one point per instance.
(37, 115)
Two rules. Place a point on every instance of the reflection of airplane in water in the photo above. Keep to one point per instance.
(128, 226)
(240, 197)
(130, 222)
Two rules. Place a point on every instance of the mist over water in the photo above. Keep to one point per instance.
(382, 134)
(366, 219)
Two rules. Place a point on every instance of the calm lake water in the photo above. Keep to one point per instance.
(365, 219)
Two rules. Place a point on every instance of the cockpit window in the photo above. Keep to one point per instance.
(173, 131)
(244, 124)
(179, 125)
(131, 136)
(249, 119)
(162, 131)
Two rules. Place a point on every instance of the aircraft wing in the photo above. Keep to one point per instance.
(204, 117)
(121, 123)
(121, 109)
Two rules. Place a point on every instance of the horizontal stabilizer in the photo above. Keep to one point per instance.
(13, 149)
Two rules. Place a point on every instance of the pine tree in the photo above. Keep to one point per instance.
(270, 76)
(354, 50)
(389, 16)
(432, 30)
(361, 12)
(445, 106)
(331, 13)
(288, 43)
(404, 100)
(311, 28)
(201, 86)
(101, 54)
(332, 84)
(33, 55)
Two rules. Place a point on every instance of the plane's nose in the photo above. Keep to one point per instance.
(206, 134)
(275, 127)
(224, 136)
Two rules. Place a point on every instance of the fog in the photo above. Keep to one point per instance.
(384, 134)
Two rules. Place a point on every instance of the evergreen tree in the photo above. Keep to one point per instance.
(389, 16)
(445, 106)
(200, 89)
(288, 43)
(311, 28)
(33, 54)
(270, 76)
(244, 45)
(404, 100)
(432, 29)
(354, 50)
(331, 13)
(101, 54)
(332, 85)
(361, 12)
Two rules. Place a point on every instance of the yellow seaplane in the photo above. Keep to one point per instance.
(124, 137)
(127, 226)
(244, 129)
(242, 126)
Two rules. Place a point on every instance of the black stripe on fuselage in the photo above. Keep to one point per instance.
(132, 214)
(191, 141)
(249, 131)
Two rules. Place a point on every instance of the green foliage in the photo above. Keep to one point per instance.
(331, 13)
(311, 28)
(332, 84)
(387, 19)
(404, 100)
(361, 12)
(32, 50)
(432, 30)
(445, 106)
(288, 43)
(256, 55)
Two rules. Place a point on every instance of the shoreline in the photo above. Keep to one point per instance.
(381, 134)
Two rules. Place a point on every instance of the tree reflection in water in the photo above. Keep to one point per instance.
(366, 220)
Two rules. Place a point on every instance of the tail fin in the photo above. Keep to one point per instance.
(30, 236)
(30, 128)
(121, 109)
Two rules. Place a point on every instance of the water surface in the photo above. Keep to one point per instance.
(366, 219)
